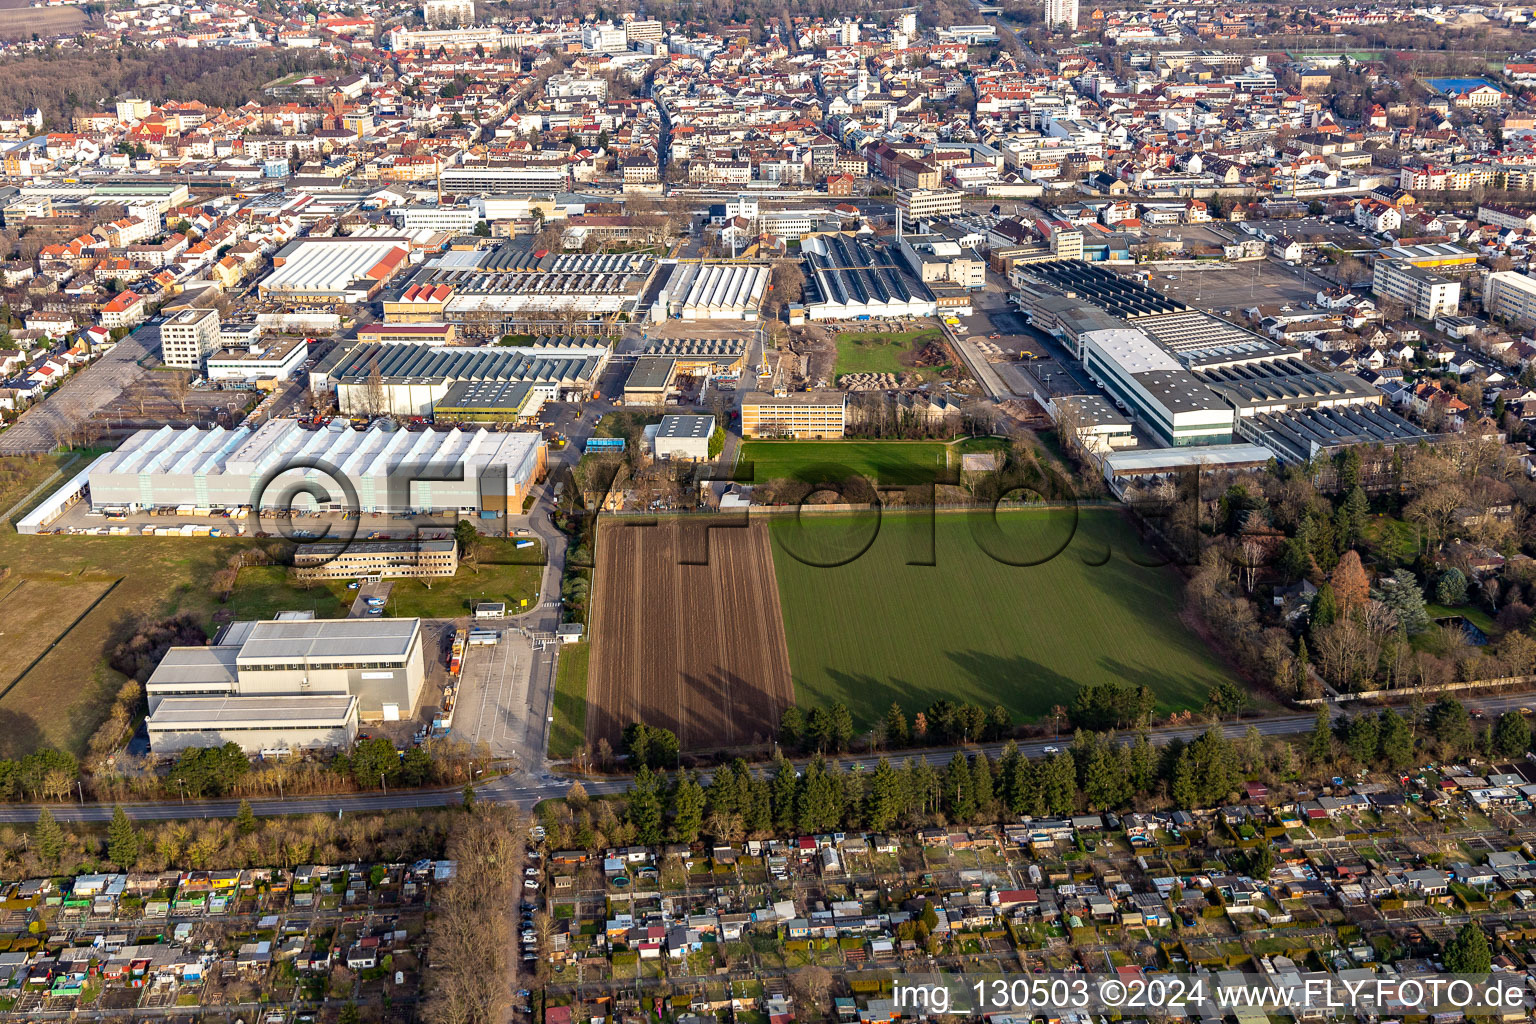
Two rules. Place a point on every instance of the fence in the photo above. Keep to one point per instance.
(1409, 691)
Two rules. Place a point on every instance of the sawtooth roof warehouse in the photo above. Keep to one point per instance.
(389, 470)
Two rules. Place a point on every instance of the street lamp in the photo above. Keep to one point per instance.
(383, 783)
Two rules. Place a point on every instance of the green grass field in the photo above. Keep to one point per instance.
(878, 352)
(264, 590)
(569, 730)
(887, 462)
(971, 628)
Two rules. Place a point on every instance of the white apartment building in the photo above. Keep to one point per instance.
(1510, 296)
(1424, 293)
(447, 13)
(401, 38)
(604, 39)
(645, 31)
(187, 338)
(1062, 13)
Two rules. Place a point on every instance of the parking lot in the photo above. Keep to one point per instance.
(366, 592)
(1237, 286)
(492, 706)
(62, 417)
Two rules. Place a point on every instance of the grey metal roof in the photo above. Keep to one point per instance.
(1290, 381)
(400, 363)
(686, 426)
(484, 394)
(1121, 296)
(650, 373)
(329, 640)
(186, 665)
(192, 713)
(1298, 435)
(858, 271)
(728, 345)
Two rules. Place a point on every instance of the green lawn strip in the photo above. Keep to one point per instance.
(569, 730)
(449, 598)
(1479, 618)
(885, 462)
(264, 590)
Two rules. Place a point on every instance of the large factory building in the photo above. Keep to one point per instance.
(411, 379)
(380, 469)
(290, 684)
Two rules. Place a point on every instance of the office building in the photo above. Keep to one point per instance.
(274, 359)
(927, 202)
(187, 339)
(604, 39)
(806, 415)
(377, 559)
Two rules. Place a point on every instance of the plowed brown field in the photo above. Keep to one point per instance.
(698, 649)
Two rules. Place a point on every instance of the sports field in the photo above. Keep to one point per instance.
(971, 628)
(885, 462)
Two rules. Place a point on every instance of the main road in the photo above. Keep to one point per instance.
(525, 788)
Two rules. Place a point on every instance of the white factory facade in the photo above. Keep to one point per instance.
(1156, 387)
(711, 291)
(380, 469)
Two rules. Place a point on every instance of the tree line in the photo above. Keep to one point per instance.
(1098, 772)
(471, 931)
(60, 82)
(51, 848)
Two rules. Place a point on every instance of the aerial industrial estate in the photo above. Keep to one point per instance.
(670, 514)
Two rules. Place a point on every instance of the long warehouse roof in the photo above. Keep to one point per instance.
(377, 451)
(406, 361)
(331, 264)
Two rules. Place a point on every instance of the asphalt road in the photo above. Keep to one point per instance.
(525, 788)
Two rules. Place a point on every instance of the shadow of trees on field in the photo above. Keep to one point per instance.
(19, 734)
(1021, 684)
